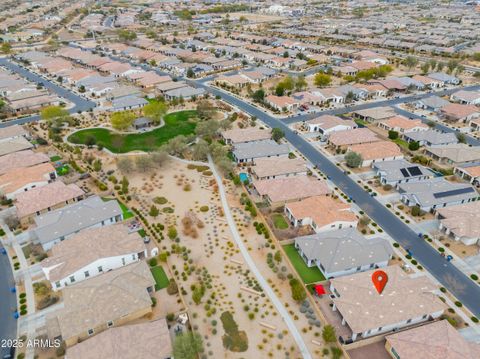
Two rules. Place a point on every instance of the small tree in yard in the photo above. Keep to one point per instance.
(172, 233)
(413, 146)
(393, 135)
(353, 159)
(328, 334)
(298, 292)
(125, 184)
(277, 134)
(416, 211)
(461, 137)
(125, 165)
(154, 212)
(187, 345)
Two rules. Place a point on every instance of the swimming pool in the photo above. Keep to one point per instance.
(243, 177)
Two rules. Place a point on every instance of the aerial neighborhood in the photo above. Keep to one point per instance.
(233, 179)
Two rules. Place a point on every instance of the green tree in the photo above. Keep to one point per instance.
(122, 120)
(198, 293)
(97, 165)
(176, 145)
(321, 79)
(172, 232)
(461, 137)
(452, 65)
(410, 62)
(413, 146)
(353, 159)
(301, 83)
(298, 291)
(187, 345)
(207, 129)
(155, 111)
(431, 124)
(277, 134)
(328, 334)
(125, 185)
(143, 163)
(55, 115)
(393, 135)
(126, 35)
(200, 150)
(6, 48)
(205, 109)
(425, 67)
(125, 165)
(154, 212)
(190, 73)
(259, 95)
(278, 256)
(349, 97)
(90, 141)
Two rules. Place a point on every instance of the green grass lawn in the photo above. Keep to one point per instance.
(161, 279)
(55, 158)
(176, 123)
(308, 275)
(63, 170)
(401, 143)
(279, 221)
(125, 210)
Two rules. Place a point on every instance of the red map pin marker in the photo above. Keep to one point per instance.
(379, 279)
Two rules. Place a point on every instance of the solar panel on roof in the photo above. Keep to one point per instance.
(404, 172)
(414, 171)
(453, 192)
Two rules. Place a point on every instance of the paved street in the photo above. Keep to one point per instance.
(8, 324)
(446, 273)
(80, 104)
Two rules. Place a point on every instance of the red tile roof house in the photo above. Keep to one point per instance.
(327, 124)
(460, 113)
(281, 103)
(266, 168)
(343, 139)
(279, 191)
(427, 81)
(238, 135)
(45, 199)
(377, 152)
(402, 124)
(321, 213)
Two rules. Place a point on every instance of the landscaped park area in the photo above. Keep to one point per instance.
(308, 274)
(176, 123)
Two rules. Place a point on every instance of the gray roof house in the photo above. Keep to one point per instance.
(53, 227)
(186, 92)
(344, 251)
(447, 79)
(432, 103)
(128, 103)
(249, 151)
(400, 171)
(431, 138)
(408, 81)
(436, 193)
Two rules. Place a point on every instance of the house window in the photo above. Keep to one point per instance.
(100, 269)
(90, 331)
(123, 261)
(133, 256)
(425, 316)
(86, 274)
(72, 279)
(57, 284)
(409, 321)
(109, 324)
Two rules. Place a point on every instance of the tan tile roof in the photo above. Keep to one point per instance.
(41, 198)
(377, 150)
(21, 159)
(14, 145)
(403, 298)
(473, 171)
(403, 123)
(246, 135)
(16, 178)
(278, 166)
(322, 210)
(352, 137)
(459, 111)
(291, 188)
(104, 298)
(280, 101)
(90, 245)
(463, 220)
(149, 340)
(329, 121)
(12, 131)
(438, 340)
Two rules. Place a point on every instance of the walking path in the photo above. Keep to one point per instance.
(251, 264)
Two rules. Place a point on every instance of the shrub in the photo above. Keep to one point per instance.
(153, 262)
(393, 135)
(328, 334)
(160, 200)
(474, 277)
(172, 287)
(204, 208)
(458, 304)
(413, 146)
(172, 232)
(170, 317)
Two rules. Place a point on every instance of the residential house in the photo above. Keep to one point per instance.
(236, 81)
(431, 138)
(13, 132)
(405, 301)
(466, 97)
(169, 86)
(56, 226)
(444, 78)
(460, 113)
(322, 213)
(92, 252)
(428, 81)
(250, 134)
(281, 103)
(435, 340)
(268, 168)
(379, 151)
(187, 93)
(327, 124)
(21, 159)
(400, 171)
(469, 172)
(342, 252)
(279, 191)
(461, 222)
(45, 199)
(250, 151)
(148, 340)
(109, 300)
(402, 124)
(374, 114)
(431, 103)
(18, 180)
(128, 103)
(344, 139)
(436, 193)
(13, 145)
(457, 154)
